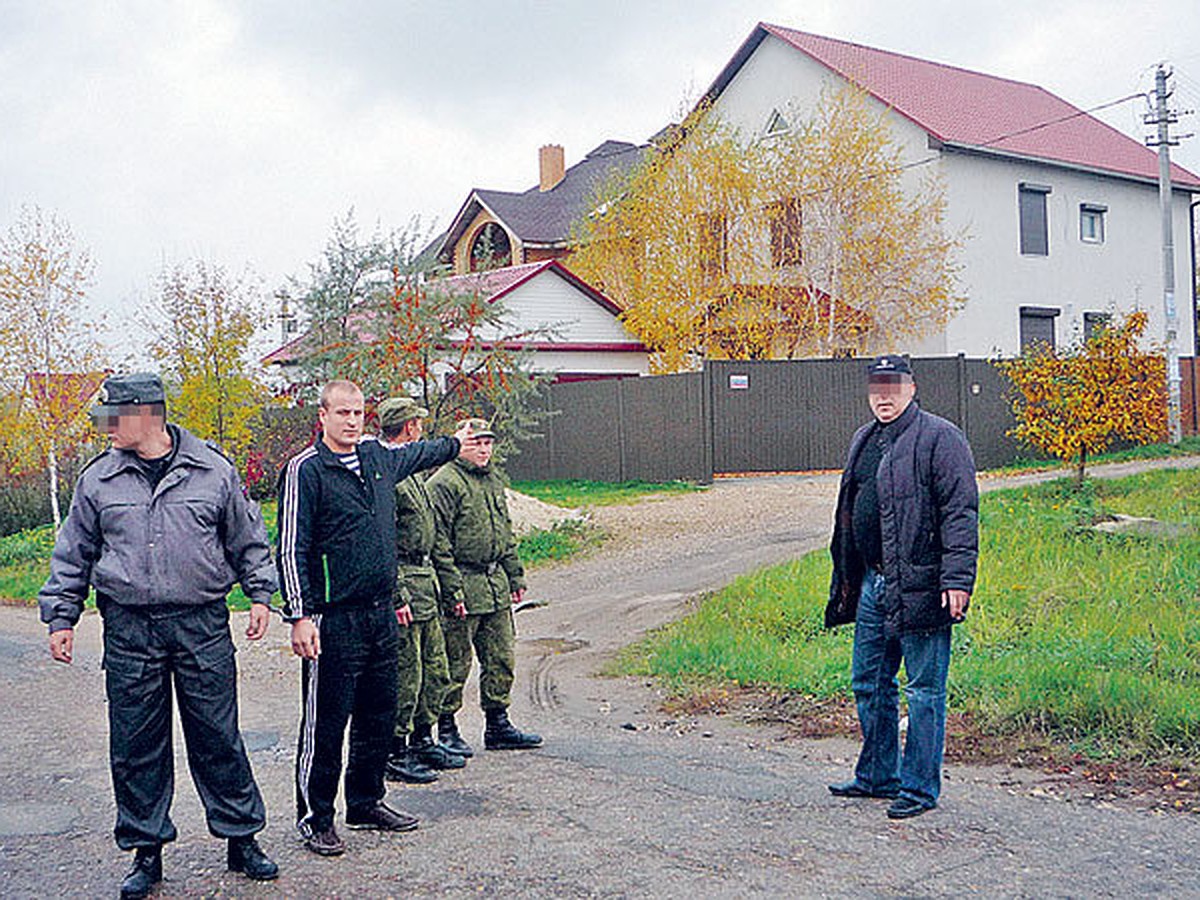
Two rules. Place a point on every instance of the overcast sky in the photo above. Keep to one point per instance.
(237, 131)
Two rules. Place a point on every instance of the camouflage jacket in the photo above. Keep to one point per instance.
(473, 514)
(421, 551)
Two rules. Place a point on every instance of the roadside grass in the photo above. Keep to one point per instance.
(1188, 446)
(575, 492)
(1085, 638)
(25, 556)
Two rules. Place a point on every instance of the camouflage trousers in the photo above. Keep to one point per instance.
(490, 635)
(424, 675)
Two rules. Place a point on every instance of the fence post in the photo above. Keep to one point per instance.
(622, 468)
(706, 418)
(961, 369)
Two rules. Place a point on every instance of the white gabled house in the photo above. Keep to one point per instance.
(1061, 211)
(587, 340)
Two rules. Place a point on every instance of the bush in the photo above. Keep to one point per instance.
(25, 498)
(279, 434)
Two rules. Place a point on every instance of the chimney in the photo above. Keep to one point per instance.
(551, 166)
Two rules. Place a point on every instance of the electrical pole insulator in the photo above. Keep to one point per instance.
(1163, 118)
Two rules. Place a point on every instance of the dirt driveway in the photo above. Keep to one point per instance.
(623, 800)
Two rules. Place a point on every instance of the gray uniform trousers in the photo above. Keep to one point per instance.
(147, 652)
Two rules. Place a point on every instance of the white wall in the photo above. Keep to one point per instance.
(549, 300)
(1121, 274)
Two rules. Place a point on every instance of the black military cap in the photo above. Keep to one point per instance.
(137, 389)
(888, 366)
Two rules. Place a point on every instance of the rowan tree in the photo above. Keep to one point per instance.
(49, 352)
(801, 243)
(202, 322)
(1079, 401)
(386, 318)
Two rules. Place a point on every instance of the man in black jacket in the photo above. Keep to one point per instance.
(337, 568)
(905, 544)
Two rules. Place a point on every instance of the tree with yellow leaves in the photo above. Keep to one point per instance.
(202, 322)
(1078, 401)
(797, 244)
(50, 358)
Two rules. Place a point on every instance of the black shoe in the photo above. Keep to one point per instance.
(500, 733)
(145, 874)
(381, 817)
(906, 808)
(449, 737)
(422, 749)
(324, 843)
(247, 857)
(404, 766)
(854, 789)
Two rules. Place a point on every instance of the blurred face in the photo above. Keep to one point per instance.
(132, 427)
(478, 451)
(342, 419)
(889, 395)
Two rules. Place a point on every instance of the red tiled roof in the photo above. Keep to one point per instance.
(74, 390)
(970, 109)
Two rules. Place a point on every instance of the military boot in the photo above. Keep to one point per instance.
(145, 874)
(245, 856)
(449, 737)
(402, 765)
(422, 748)
(500, 733)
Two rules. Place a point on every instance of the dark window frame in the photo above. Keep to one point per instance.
(1101, 213)
(785, 219)
(1033, 325)
(1033, 219)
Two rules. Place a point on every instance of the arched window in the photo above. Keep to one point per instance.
(490, 249)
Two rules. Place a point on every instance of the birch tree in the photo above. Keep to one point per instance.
(49, 352)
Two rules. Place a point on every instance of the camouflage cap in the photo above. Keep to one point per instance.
(395, 411)
(479, 427)
(136, 389)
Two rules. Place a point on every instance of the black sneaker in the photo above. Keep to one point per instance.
(247, 857)
(324, 843)
(381, 817)
(145, 874)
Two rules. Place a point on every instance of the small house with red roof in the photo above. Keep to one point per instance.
(579, 334)
(1061, 211)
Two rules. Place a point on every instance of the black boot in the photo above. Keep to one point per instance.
(145, 874)
(501, 735)
(422, 748)
(403, 765)
(247, 857)
(449, 737)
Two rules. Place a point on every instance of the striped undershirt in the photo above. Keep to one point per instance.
(350, 461)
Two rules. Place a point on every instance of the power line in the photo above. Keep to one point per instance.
(1049, 122)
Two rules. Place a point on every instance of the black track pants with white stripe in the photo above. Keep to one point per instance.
(352, 680)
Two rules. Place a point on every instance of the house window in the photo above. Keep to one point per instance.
(711, 243)
(490, 249)
(1037, 326)
(1093, 323)
(784, 220)
(776, 124)
(1035, 239)
(1091, 223)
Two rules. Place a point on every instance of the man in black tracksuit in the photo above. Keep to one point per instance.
(337, 568)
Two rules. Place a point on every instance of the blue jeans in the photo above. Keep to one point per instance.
(876, 661)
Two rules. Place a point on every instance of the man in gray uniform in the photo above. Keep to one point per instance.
(160, 527)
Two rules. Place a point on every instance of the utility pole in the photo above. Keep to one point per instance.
(1164, 118)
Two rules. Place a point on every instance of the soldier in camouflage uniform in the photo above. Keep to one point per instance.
(423, 669)
(468, 497)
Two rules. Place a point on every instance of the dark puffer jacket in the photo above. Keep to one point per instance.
(929, 521)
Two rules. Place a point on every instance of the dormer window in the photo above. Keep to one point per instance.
(491, 248)
(776, 124)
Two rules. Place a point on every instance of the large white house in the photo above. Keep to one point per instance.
(1061, 211)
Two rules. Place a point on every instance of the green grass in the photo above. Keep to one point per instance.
(1188, 446)
(1088, 638)
(578, 492)
(25, 556)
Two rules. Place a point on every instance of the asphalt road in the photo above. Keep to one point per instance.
(623, 799)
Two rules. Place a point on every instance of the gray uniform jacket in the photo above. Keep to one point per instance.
(185, 543)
